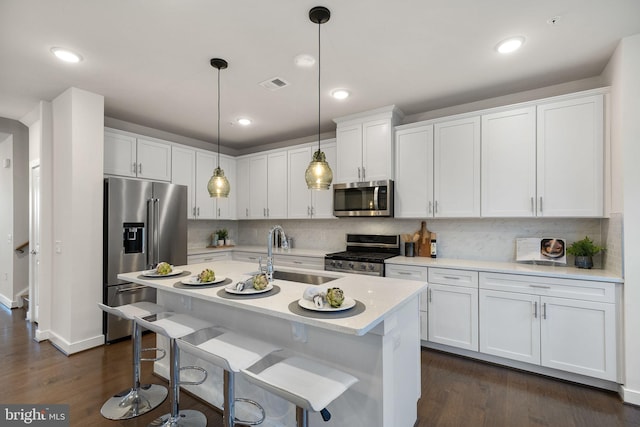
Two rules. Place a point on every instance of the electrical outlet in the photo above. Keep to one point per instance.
(58, 246)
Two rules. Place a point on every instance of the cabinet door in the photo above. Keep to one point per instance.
(120, 154)
(510, 325)
(154, 160)
(299, 200)
(377, 150)
(277, 184)
(453, 316)
(570, 158)
(183, 172)
(226, 206)
(322, 200)
(258, 187)
(349, 140)
(579, 336)
(210, 257)
(414, 173)
(456, 168)
(509, 163)
(205, 204)
(243, 187)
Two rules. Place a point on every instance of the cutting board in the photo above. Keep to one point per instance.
(423, 245)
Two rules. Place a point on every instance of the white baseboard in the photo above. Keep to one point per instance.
(42, 335)
(630, 396)
(9, 303)
(70, 348)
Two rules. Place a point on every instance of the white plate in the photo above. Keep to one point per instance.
(247, 291)
(309, 305)
(153, 273)
(193, 281)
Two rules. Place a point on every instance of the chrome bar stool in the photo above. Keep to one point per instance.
(140, 398)
(308, 384)
(231, 352)
(173, 326)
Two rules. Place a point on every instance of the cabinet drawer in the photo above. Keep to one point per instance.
(248, 256)
(219, 256)
(548, 286)
(408, 272)
(313, 263)
(449, 276)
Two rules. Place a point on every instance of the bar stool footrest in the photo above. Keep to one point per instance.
(155, 359)
(257, 405)
(194, 368)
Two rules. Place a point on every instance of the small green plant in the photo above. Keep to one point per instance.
(222, 234)
(584, 247)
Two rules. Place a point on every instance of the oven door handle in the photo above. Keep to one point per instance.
(375, 197)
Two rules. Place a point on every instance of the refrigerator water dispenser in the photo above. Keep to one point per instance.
(133, 237)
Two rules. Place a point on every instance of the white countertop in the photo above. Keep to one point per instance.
(562, 272)
(260, 250)
(381, 296)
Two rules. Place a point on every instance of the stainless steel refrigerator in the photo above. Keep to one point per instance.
(144, 223)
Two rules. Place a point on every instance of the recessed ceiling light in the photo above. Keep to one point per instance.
(244, 121)
(510, 45)
(340, 93)
(66, 55)
(304, 60)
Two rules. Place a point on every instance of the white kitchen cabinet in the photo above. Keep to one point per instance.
(410, 272)
(414, 172)
(302, 202)
(243, 190)
(563, 324)
(183, 166)
(267, 184)
(456, 168)
(253, 257)
(453, 308)
(208, 257)
(570, 153)
(208, 207)
(298, 261)
(128, 155)
(365, 145)
(509, 163)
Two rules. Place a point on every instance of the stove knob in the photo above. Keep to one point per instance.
(363, 266)
(351, 265)
(339, 264)
(332, 263)
(371, 267)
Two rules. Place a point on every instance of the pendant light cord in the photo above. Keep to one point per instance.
(319, 62)
(218, 118)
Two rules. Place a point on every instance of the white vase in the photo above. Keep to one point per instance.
(220, 242)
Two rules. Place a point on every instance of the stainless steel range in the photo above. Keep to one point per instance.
(365, 254)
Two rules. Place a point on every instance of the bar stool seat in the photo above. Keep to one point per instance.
(140, 398)
(231, 352)
(173, 326)
(308, 384)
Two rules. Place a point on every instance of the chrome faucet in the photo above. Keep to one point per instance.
(269, 268)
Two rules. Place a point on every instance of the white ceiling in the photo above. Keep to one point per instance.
(150, 58)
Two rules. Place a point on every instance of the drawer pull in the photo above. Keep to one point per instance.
(404, 273)
(540, 286)
(208, 259)
(535, 309)
(252, 258)
(429, 293)
(544, 310)
(297, 262)
(451, 277)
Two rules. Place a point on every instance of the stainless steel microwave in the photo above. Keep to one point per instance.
(373, 198)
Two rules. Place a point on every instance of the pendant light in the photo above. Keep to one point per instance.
(218, 184)
(318, 174)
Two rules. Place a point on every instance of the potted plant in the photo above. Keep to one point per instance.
(584, 250)
(222, 236)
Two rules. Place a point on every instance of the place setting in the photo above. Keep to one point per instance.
(257, 286)
(322, 303)
(205, 280)
(164, 270)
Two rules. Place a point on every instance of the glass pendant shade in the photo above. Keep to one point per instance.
(318, 174)
(218, 184)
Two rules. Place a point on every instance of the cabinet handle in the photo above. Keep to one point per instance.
(363, 174)
(358, 174)
(194, 211)
(540, 286)
(140, 168)
(218, 212)
(198, 210)
(268, 213)
(451, 277)
(313, 211)
(436, 207)
(208, 259)
(264, 212)
(252, 258)
(540, 203)
(430, 206)
(308, 210)
(297, 262)
(134, 167)
(532, 207)
(535, 309)
(246, 212)
(544, 310)
(404, 273)
(429, 293)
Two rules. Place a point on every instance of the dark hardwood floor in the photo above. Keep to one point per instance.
(455, 391)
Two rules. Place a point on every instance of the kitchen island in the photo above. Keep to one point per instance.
(377, 341)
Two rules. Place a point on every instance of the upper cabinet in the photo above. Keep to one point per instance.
(509, 163)
(365, 145)
(131, 156)
(438, 170)
(570, 148)
(183, 165)
(302, 202)
(544, 160)
(263, 186)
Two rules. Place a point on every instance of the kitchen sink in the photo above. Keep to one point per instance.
(308, 278)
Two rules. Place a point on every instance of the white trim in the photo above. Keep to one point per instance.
(630, 396)
(9, 303)
(70, 348)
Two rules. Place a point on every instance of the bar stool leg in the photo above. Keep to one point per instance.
(302, 417)
(229, 404)
(139, 399)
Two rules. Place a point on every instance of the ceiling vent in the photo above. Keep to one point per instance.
(274, 83)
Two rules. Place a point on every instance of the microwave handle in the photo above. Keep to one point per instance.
(375, 197)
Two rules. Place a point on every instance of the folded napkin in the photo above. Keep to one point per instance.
(316, 294)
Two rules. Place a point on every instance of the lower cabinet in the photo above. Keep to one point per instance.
(563, 324)
(453, 308)
(411, 272)
(208, 257)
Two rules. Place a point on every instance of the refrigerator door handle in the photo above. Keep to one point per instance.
(150, 235)
(156, 224)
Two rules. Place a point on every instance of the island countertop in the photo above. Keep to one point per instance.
(380, 296)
